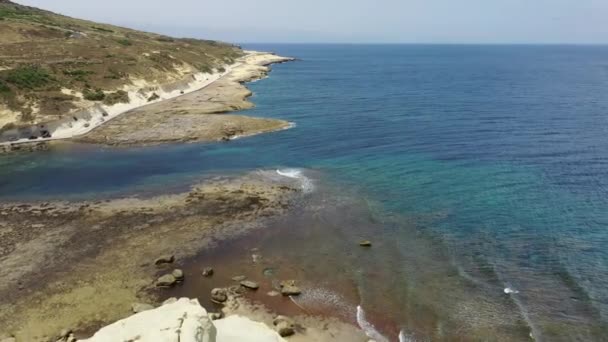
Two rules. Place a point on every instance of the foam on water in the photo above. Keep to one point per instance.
(368, 327)
(305, 182)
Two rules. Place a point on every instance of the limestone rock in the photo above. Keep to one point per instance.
(169, 301)
(285, 329)
(185, 321)
(166, 259)
(252, 285)
(167, 280)
(284, 325)
(139, 307)
(178, 274)
(241, 329)
(219, 295)
(289, 288)
(216, 315)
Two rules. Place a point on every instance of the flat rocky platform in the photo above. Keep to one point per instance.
(75, 264)
(197, 116)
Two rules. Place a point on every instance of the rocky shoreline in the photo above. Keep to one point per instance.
(82, 264)
(191, 117)
(198, 116)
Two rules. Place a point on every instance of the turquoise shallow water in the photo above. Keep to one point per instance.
(483, 168)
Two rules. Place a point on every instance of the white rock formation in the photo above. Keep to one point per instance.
(237, 328)
(184, 321)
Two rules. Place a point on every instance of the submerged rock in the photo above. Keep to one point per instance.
(239, 278)
(167, 280)
(250, 284)
(207, 272)
(365, 243)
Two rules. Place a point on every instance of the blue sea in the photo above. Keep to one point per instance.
(480, 173)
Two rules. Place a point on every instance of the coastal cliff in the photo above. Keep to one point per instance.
(62, 78)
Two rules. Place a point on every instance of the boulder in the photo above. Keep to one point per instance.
(167, 280)
(178, 274)
(284, 325)
(365, 243)
(207, 272)
(216, 315)
(239, 278)
(166, 259)
(289, 288)
(285, 330)
(139, 307)
(185, 321)
(219, 295)
(252, 285)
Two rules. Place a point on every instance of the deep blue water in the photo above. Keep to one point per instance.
(505, 148)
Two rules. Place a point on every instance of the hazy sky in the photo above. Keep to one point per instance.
(381, 21)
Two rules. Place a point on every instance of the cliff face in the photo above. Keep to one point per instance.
(53, 66)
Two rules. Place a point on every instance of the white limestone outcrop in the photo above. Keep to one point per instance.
(184, 320)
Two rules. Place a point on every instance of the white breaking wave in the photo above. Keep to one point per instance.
(305, 182)
(405, 338)
(369, 328)
(509, 290)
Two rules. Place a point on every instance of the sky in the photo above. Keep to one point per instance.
(354, 21)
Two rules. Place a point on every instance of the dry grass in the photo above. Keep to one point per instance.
(43, 52)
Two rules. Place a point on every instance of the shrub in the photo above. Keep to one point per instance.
(119, 96)
(205, 68)
(77, 72)
(4, 88)
(153, 97)
(30, 77)
(165, 39)
(221, 69)
(102, 29)
(125, 42)
(96, 95)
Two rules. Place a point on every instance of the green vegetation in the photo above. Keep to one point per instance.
(101, 29)
(205, 68)
(78, 74)
(119, 96)
(221, 69)
(29, 77)
(94, 95)
(124, 42)
(4, 88)
(68, 55)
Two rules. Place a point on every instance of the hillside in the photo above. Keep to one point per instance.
(52, 66)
